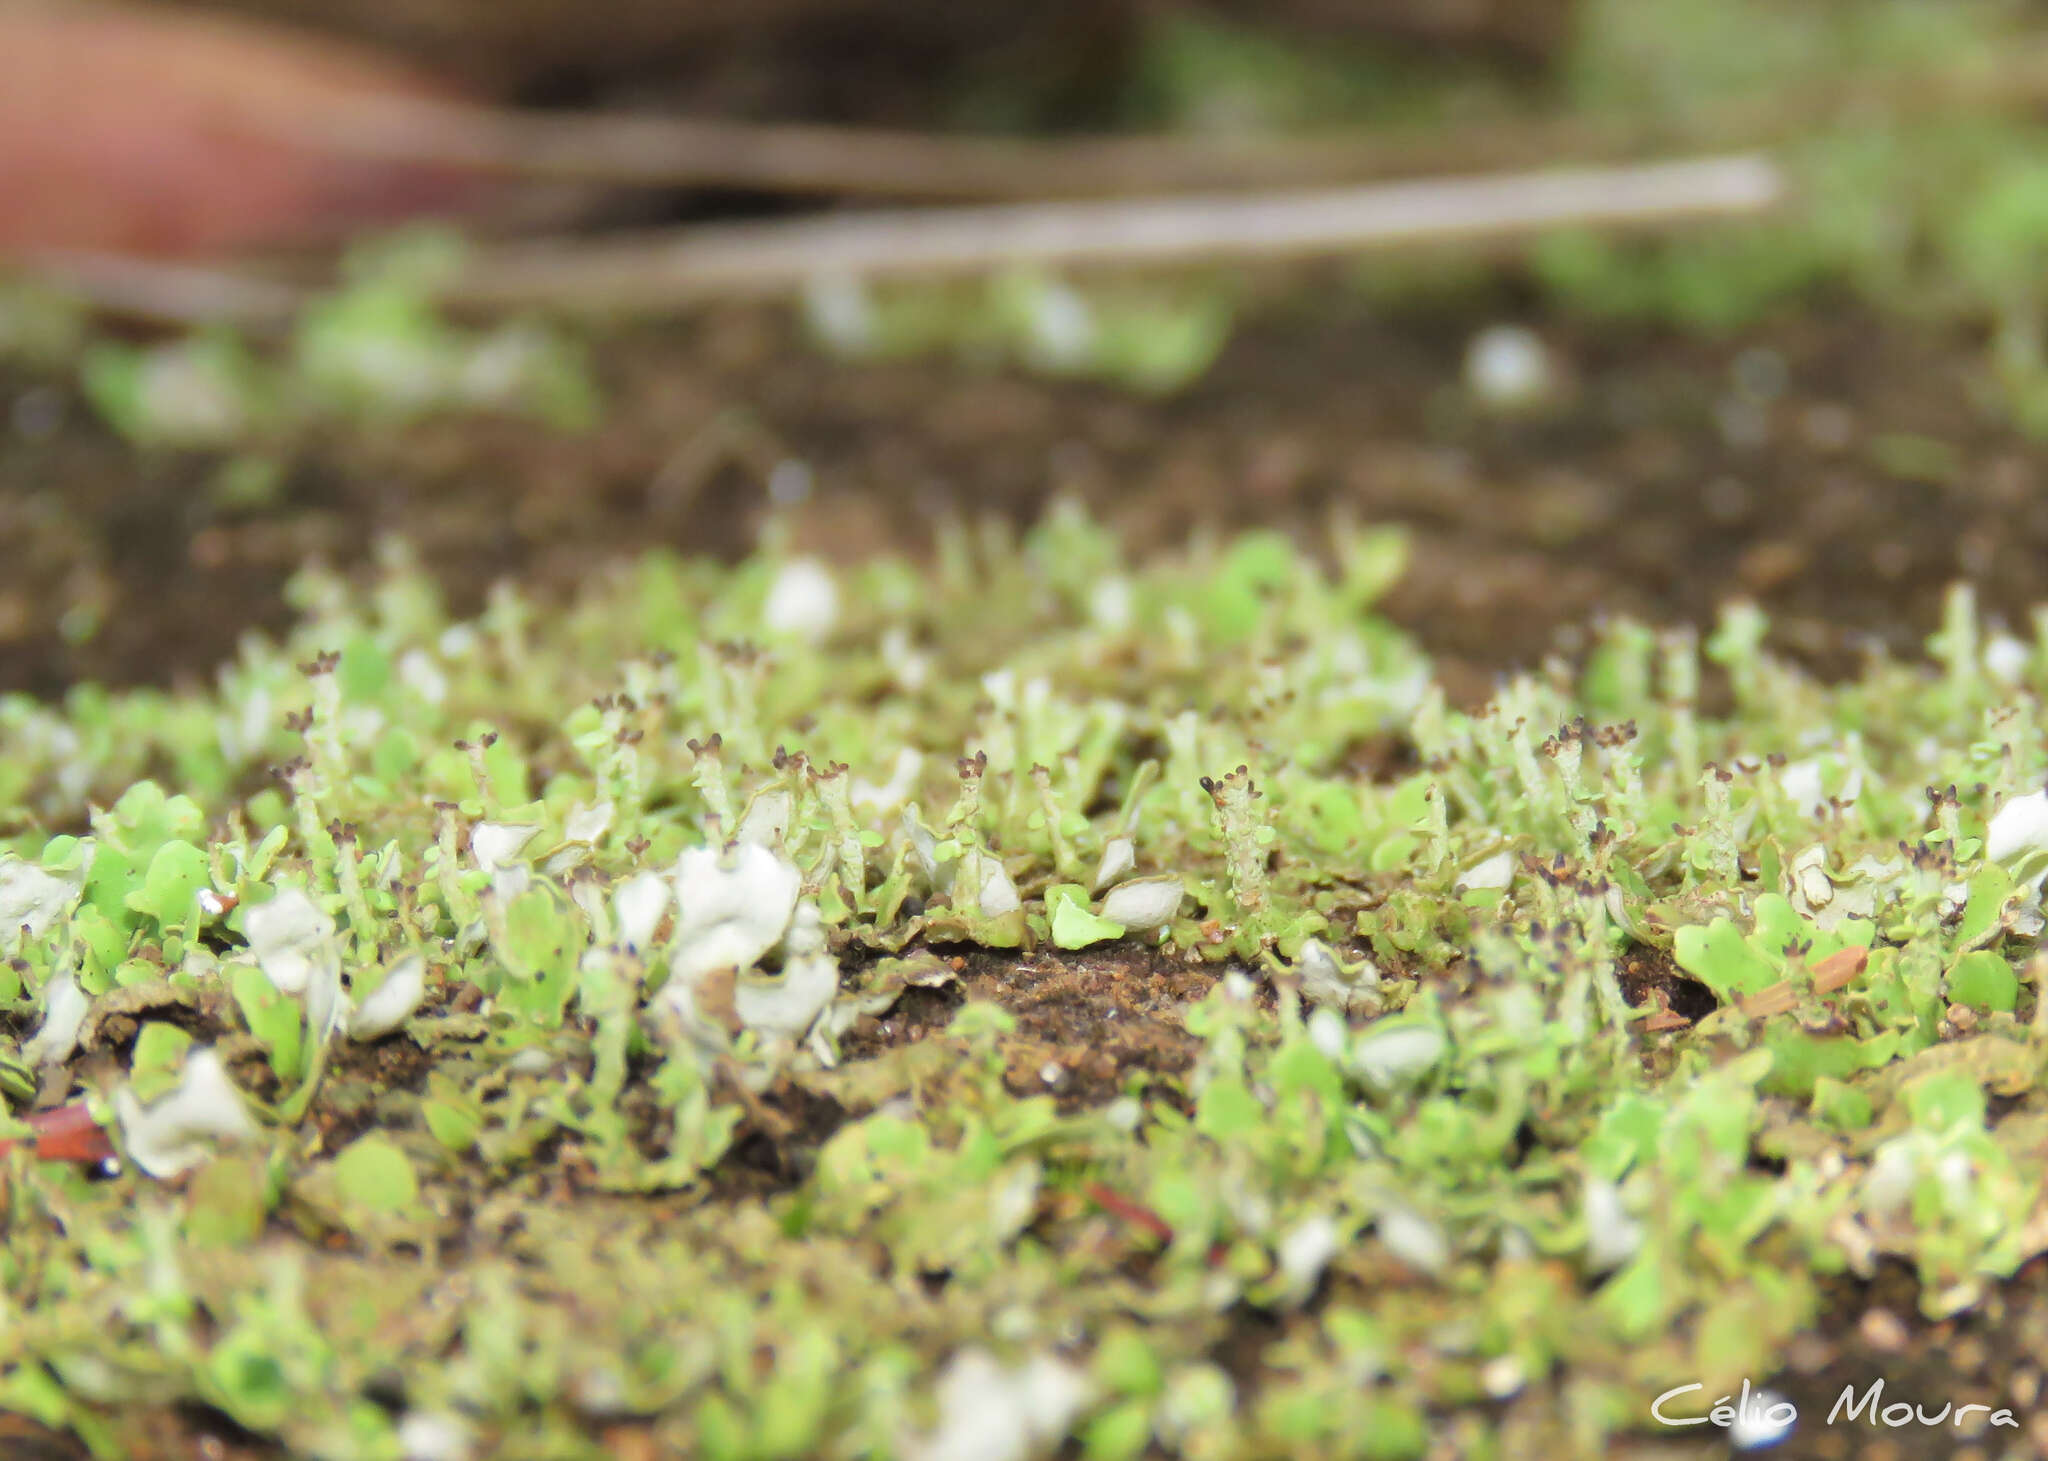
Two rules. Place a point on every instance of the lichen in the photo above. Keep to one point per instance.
(561, 1034)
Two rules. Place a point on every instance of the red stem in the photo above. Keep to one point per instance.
(1136, 1214)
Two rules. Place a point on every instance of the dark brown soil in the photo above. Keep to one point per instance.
(1995, 1355)
(1673, 479)
(1086, 1022)
(1652, 976)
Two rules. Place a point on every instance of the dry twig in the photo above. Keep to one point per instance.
(669, 269)
(663, 270)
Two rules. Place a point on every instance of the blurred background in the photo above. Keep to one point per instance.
(526, 285)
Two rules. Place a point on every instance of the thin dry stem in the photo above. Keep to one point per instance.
(671, 269)
(661, 270)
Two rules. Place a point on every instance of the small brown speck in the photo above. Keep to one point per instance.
(1884, 1331)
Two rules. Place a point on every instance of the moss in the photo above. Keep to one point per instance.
(598, 1177)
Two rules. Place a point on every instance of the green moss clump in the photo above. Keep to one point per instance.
(456, 1048)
